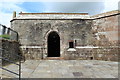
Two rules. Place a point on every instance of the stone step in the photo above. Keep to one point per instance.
(54, 58)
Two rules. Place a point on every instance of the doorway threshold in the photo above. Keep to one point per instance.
(54, 58)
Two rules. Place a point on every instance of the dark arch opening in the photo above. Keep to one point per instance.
(53, 45)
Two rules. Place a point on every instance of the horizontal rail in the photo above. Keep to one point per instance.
(19, 56)
(8, 31)
(9, 71)
(9, 60)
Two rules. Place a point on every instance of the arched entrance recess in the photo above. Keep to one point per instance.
(53, 43)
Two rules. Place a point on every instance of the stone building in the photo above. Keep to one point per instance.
(68, 35)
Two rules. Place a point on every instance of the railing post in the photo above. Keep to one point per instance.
(19, 68)
(17, 37)
(42, 52)
(8, 31)
(4, 29)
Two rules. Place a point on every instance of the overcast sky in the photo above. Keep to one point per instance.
(7, 8)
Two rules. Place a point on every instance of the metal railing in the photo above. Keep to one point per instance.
(8, 33)
(10, 61)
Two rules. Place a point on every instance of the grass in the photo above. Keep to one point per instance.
(5, 36)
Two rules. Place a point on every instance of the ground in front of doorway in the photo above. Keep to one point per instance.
(65, 69)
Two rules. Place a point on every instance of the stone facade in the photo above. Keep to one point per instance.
(91, 36)
(107, 37)
(9, 50)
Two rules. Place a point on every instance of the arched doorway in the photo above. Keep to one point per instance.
(53, 44)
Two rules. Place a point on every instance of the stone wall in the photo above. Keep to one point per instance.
(35, 33)
(94, 38)
(105, 41)
(80, 54)
(9, 50)
(33, 53)
(106, 53)
(106, 37)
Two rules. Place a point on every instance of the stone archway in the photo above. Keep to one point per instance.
(53, 44)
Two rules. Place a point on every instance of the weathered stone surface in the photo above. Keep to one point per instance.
(106, 31)
(9, 50)
(35, 32)
(66, 69)
(100, 32)
(53, 16)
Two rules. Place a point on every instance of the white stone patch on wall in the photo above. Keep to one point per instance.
(101, 33)
(30, 46)
(111, 35)
(87, 47)
(100, 55)
(71, 49)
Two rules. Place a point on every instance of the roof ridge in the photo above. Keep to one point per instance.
(106, 14)
(54, 13)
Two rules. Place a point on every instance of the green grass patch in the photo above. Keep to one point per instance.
(5, 36)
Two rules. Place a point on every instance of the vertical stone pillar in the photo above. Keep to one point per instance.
(14, 14)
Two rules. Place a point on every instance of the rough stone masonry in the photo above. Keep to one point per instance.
(68, 35)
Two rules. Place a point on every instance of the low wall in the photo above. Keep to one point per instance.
(33, 52)
(106, 53)
(101, 53)
(9, 50)
(78, 53)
